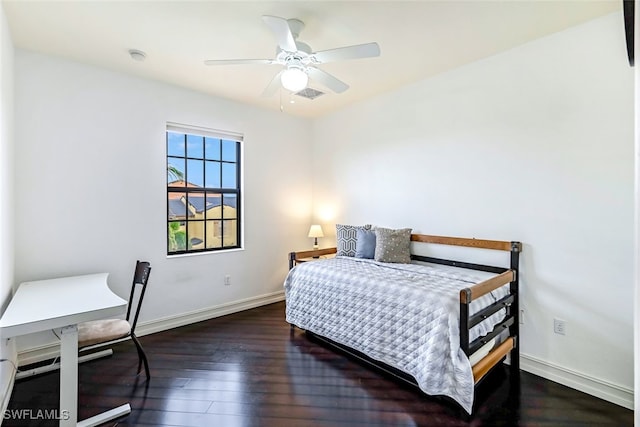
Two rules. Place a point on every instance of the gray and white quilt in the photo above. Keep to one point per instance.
(405, 315)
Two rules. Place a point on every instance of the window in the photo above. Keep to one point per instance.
(203, 190)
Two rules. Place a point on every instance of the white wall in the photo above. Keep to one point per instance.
(7, 348)
(91, 186)
(534, 144)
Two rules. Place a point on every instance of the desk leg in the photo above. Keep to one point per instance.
(69, 376)
(69, 385)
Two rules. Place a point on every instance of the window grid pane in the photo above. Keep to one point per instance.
(195, 147)
(195, 173)
(175, 171)
(228, 175)
(212, 174)
(175, 144)
(229, 232)
(212, 149)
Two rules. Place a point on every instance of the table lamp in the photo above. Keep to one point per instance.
(315, 231)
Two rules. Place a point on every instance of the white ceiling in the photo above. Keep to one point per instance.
(417, 39)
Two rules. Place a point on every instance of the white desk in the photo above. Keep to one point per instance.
(61, 304)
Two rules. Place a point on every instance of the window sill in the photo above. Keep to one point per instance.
(222, 251)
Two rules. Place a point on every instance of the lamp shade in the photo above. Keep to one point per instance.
(316, 231)
(294, 79)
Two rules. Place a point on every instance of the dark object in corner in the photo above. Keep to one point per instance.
(628, 9)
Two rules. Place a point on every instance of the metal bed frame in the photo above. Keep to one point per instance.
(511, 322)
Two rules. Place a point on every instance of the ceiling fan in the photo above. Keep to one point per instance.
(299, 60)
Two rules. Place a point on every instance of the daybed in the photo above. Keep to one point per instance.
(439, 324)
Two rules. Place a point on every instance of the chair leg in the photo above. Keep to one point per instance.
(142, 357)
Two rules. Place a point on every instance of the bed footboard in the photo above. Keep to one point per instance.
(511, 322)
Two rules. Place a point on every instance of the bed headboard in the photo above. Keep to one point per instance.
(501, 245)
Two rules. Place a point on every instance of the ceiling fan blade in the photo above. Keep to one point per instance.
(327, 80)
(238, 61)
(280, 28)
(273, 86)
(366, 50)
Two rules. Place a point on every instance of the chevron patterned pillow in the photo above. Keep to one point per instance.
(347, 236)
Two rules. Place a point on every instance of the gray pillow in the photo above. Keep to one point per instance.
(346, 238)
(393, 245)
(365, 244)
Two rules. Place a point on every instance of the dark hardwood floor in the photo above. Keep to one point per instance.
(247, 369)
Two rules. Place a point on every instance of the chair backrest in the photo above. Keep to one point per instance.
(140, 277)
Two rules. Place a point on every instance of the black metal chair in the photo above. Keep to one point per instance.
(100, 333)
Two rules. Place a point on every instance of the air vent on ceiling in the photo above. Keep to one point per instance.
(309, 93)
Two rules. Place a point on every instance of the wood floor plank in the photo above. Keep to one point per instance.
(250, 369)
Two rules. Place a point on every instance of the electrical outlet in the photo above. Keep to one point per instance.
(559, 326)
(522, 317)
(227, 280)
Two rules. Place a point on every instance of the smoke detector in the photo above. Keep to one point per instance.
(137, 55)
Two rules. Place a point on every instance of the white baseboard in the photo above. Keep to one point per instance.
(614, 393)
(49, 351)
(183, 319)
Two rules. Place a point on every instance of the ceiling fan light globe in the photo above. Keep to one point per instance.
(294, 79)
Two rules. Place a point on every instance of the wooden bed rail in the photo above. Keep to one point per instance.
(476, 291)
(296, 256)
(499, 245)
(317, 252)
(485, 364)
